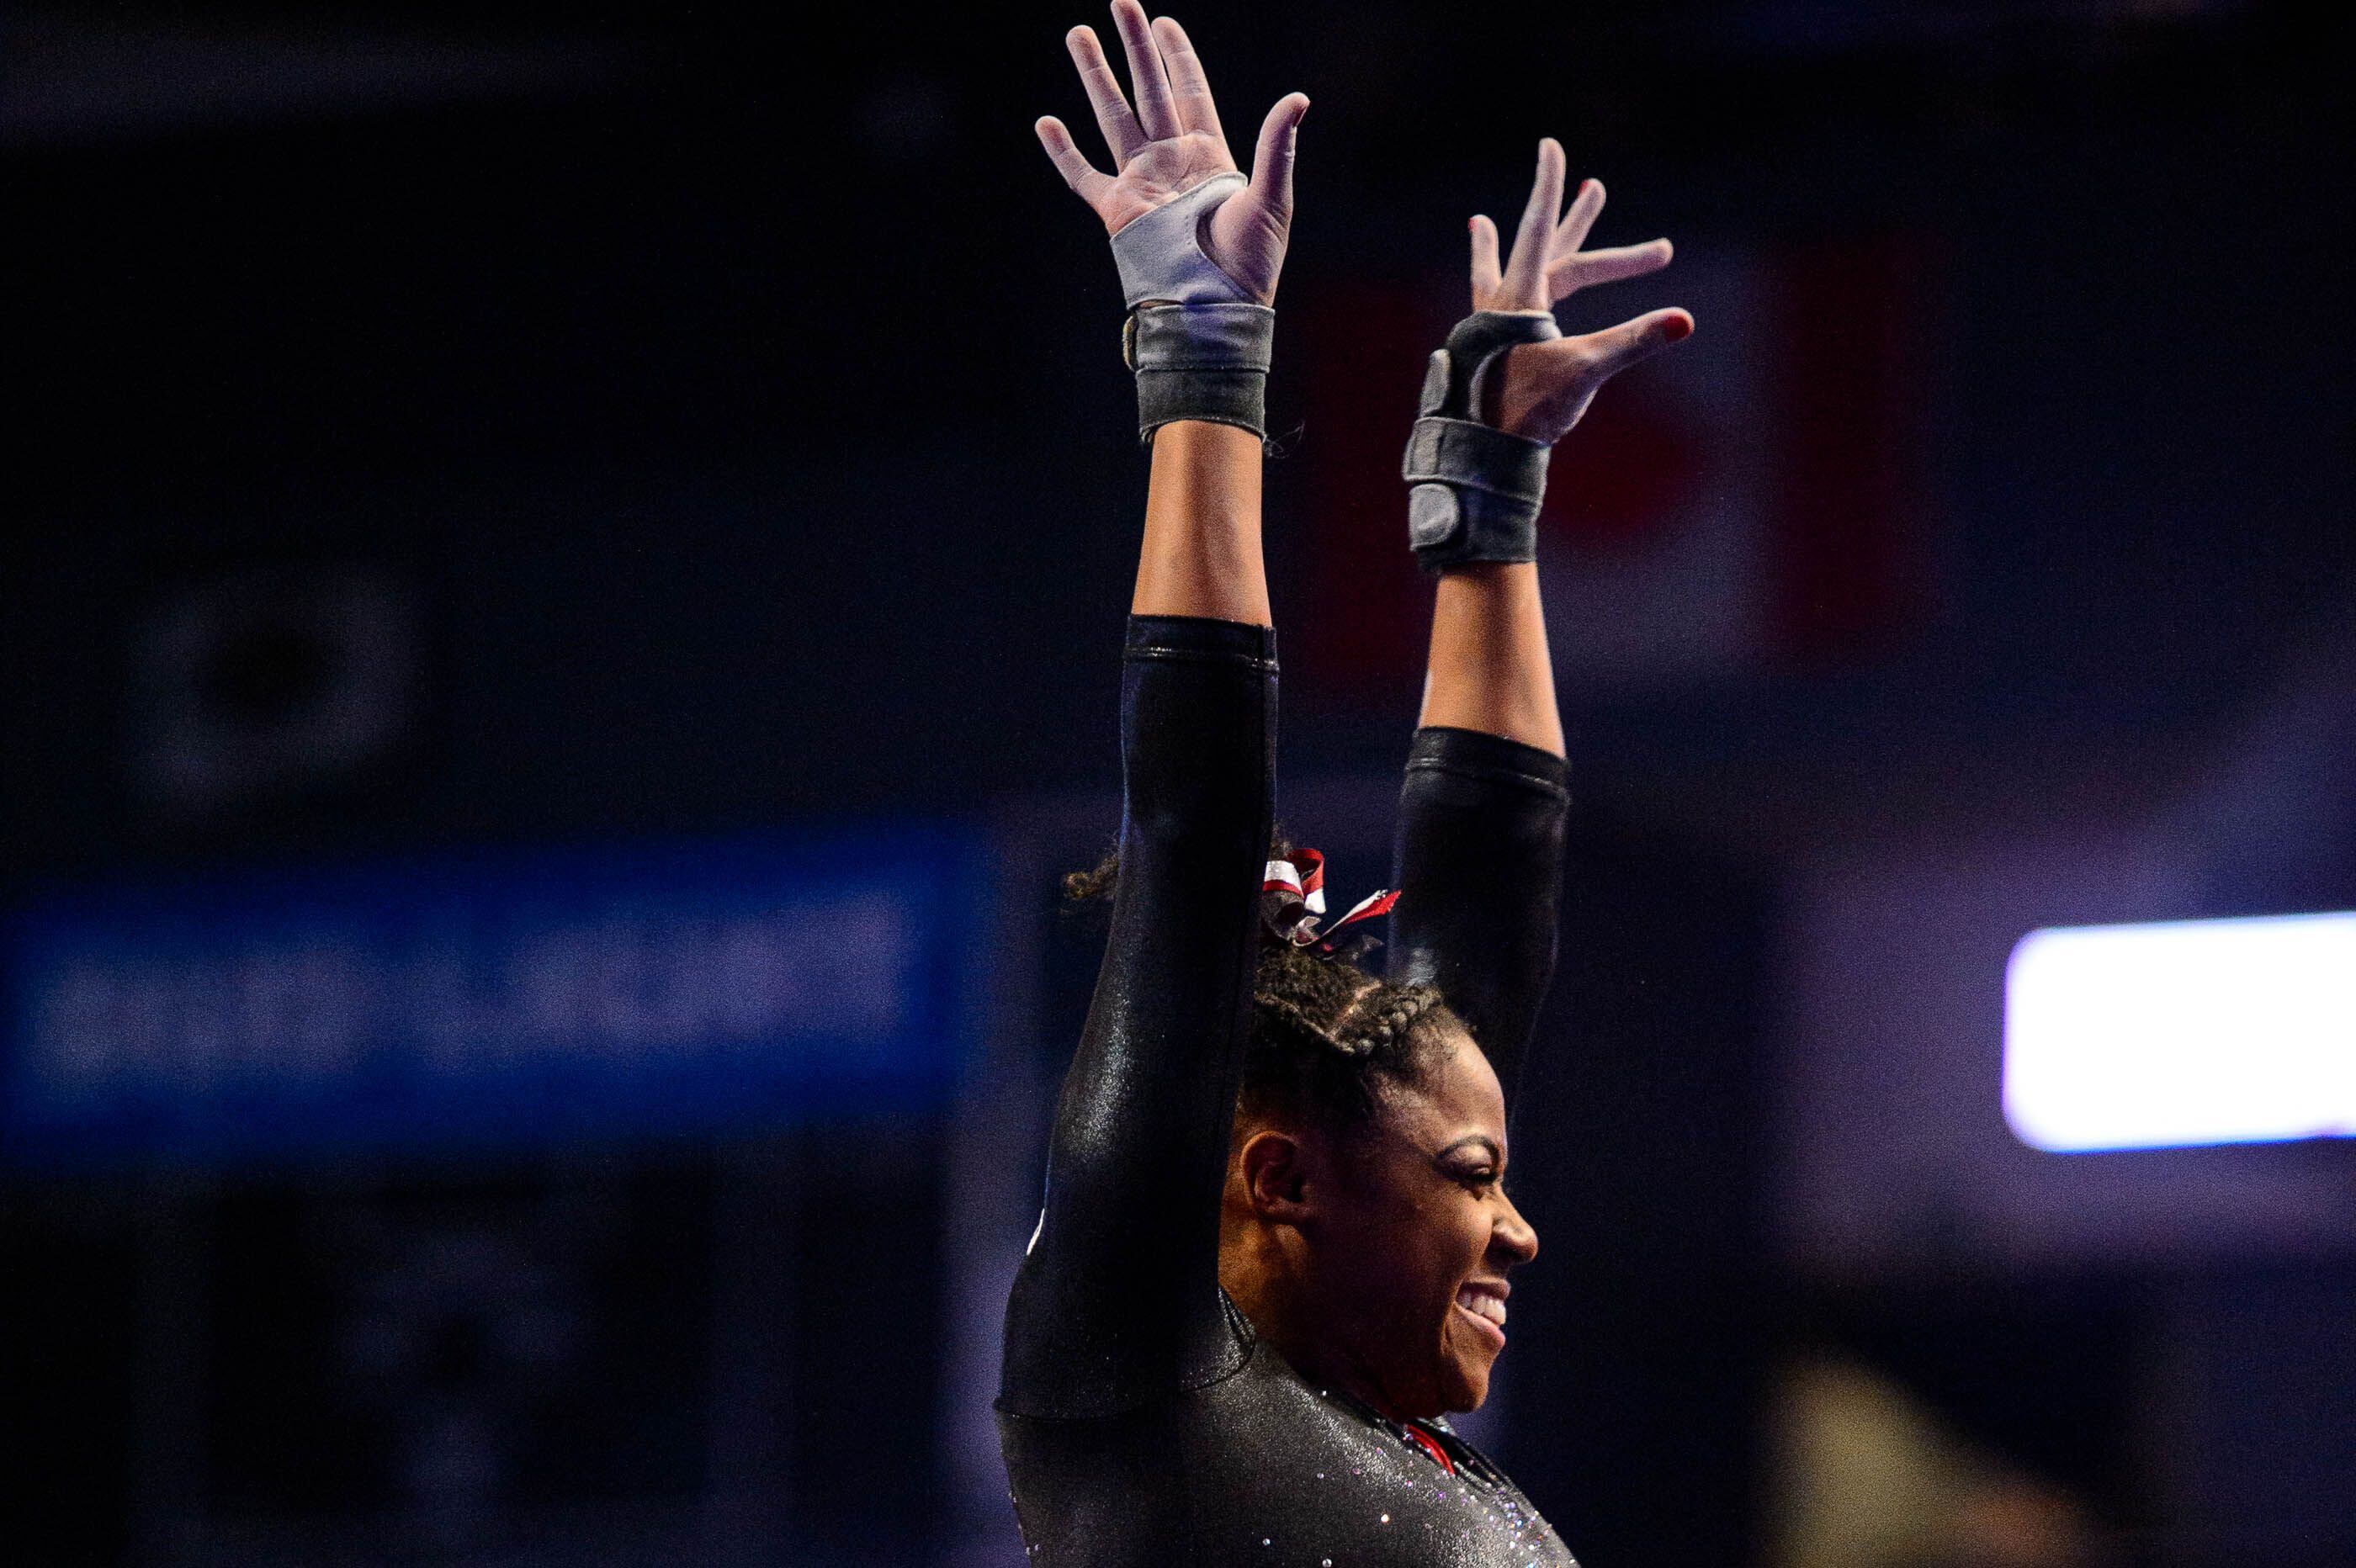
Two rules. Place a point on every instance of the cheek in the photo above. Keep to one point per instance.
(1452, 1238)
(1365, 1251)
(1468, 1227)
(1402, 1259)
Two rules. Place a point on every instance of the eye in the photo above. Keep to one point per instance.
(1479, 1178)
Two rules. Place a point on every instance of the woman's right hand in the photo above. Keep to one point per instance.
(1171, 143)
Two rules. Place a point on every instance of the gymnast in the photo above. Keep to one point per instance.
(1276, 1241)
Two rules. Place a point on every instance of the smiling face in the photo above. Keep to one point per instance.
(1387, 1247)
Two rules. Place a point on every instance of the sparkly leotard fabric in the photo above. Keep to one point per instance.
(1141, 1420)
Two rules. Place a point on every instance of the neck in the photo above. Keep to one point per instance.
(1328, 1365)
(1265, 1289)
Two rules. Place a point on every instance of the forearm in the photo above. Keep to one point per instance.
(1489, 669)
(1480, 816)
(1201, 554)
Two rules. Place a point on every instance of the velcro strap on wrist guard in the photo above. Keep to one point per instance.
(1159, 253)
(1200, 362)
(1473, 490)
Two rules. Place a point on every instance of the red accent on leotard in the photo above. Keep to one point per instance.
(1438, 1454)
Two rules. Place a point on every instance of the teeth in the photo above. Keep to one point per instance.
(1482, 1304)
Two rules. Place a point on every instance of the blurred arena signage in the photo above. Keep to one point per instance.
(497, 999)
(2197, 1031)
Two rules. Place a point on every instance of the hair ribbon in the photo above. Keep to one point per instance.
(1292, 906)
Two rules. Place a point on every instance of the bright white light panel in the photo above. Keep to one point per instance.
(2207, 1032)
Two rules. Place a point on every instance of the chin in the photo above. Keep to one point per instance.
(1463, 1382)
(1468, 1391)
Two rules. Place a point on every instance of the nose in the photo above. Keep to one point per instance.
(1513, 1234)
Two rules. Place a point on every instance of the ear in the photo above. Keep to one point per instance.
(1277, 1168)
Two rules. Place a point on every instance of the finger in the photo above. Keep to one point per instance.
(1271, 176)
(1190, 90)
(1524, 279)
(1083, 176)
(1147, 78)
(1572, 233)
(1113, 118)
(1484, 262)
(1609, 265)
(1615, 348)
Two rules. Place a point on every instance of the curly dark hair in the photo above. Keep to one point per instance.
(1325, 1035)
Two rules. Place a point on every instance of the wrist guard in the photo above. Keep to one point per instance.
(1201, 350)
(1200, 362)
(1473, 490)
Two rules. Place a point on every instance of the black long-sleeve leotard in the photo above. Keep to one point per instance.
(1142, 1419)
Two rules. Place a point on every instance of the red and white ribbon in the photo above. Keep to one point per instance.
(1292, 900)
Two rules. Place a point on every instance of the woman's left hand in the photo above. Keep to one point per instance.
(1541, 390)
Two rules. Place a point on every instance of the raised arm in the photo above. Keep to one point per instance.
(1118, 1300)
(1481, 816)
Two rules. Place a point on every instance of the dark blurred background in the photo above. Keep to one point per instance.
(533, 502)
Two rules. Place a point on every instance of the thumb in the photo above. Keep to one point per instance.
(1615, 348)
(1271, 176)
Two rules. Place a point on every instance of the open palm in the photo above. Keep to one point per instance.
(1171, 142)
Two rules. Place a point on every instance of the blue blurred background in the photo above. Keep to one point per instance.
(560, 628)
